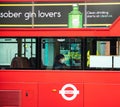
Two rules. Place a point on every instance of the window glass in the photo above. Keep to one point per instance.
(17, 52)
(103, 53)
(53, 48)
(7, 52)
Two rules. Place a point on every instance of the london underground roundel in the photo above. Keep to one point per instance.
(69, 89)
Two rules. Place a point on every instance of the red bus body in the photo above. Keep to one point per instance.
(44, 88)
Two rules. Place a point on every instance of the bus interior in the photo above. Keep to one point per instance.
(80, 52)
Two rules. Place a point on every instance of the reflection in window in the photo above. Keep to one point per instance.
(103, 53)
(69, 47)
(17, 52)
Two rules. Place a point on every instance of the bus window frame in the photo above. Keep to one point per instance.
(16, 54)
(94, 52)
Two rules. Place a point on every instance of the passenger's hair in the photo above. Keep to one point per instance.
(58, 57)
(20, 62)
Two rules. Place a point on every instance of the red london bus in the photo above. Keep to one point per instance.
(34, 32)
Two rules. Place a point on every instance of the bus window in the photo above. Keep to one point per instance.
(103, 53)
(69, 47)
(17, 52)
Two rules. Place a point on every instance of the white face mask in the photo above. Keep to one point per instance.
(62, 61)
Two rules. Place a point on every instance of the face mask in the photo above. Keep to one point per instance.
(62, 61)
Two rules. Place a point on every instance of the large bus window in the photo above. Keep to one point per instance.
(8, 47)
(43, 53)
(69, 47)
(17, 52)
(103, 53)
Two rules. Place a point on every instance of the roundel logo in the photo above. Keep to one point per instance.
(69, 92)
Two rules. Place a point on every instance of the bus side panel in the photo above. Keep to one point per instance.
(61, 95)
(18, 94)
(101, 95)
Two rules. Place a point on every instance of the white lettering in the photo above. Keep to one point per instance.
(51, 14)
(10, 14)
(48, 14)
(29, 15)
(59, 14)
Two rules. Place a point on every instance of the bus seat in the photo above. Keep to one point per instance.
(20, 62)
(32, 61)
(26, 63)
